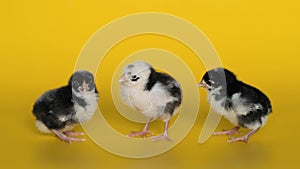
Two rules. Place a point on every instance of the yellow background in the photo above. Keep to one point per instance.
(40, 42)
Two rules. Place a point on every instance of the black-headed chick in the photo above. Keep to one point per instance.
(59, 110)
(154, 94)
(243, 105)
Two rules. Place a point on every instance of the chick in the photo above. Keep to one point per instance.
(59, 110)
(154, 94)
(243, 105)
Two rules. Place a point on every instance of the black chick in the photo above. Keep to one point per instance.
(59, 110)
(243, 105)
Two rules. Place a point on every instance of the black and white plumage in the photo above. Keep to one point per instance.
(154, 94)
(243, 105)
(59, 110)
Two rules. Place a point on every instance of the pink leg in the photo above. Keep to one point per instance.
(66, 138)
(164, 136)
(73, 133)
(142, 133)
(228, 132)
(244, 138)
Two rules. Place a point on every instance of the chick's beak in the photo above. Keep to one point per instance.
(123, 79)
(201, 84)
(84, 86)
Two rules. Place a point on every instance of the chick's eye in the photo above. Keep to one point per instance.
(134, 78)
(76, 83)
(207, 81)
(89, 82)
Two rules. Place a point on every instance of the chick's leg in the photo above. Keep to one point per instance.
(228, 132)
(164, 136)
(142, 133)
(66, 138)
(73, 133)
(244, 138)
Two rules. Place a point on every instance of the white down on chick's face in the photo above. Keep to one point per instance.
(133, 80)
(135, 74)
